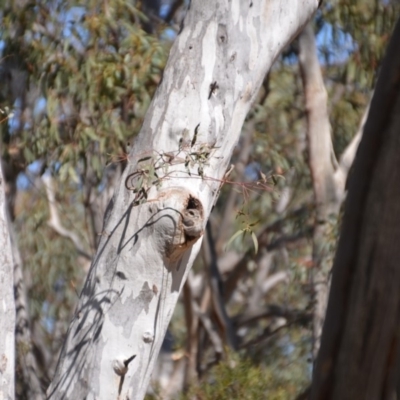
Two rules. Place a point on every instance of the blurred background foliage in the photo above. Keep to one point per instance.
(76, 78)
(89, 70)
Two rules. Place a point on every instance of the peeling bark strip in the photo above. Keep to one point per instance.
(7, 305)
(359, 356)
(159, 211)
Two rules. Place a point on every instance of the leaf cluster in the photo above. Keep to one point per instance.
(95, 71)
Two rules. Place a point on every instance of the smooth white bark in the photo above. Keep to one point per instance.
(215, 69)
(7, 304)
(328, 176)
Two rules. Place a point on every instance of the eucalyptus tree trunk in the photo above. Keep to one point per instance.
(320, 154)
(359, 357)
(7, 306)
(328, 175)
(154, 224)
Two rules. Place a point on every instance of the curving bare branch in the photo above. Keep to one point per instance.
(55, 221)
(347, 158)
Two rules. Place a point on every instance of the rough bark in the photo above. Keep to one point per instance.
(7, 308)
(152, 226)
(359, 354)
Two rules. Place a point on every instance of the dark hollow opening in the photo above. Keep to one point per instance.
(194, 204)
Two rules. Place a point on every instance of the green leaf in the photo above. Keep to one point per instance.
(233, 237)
(255, 241)
(254, 223)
